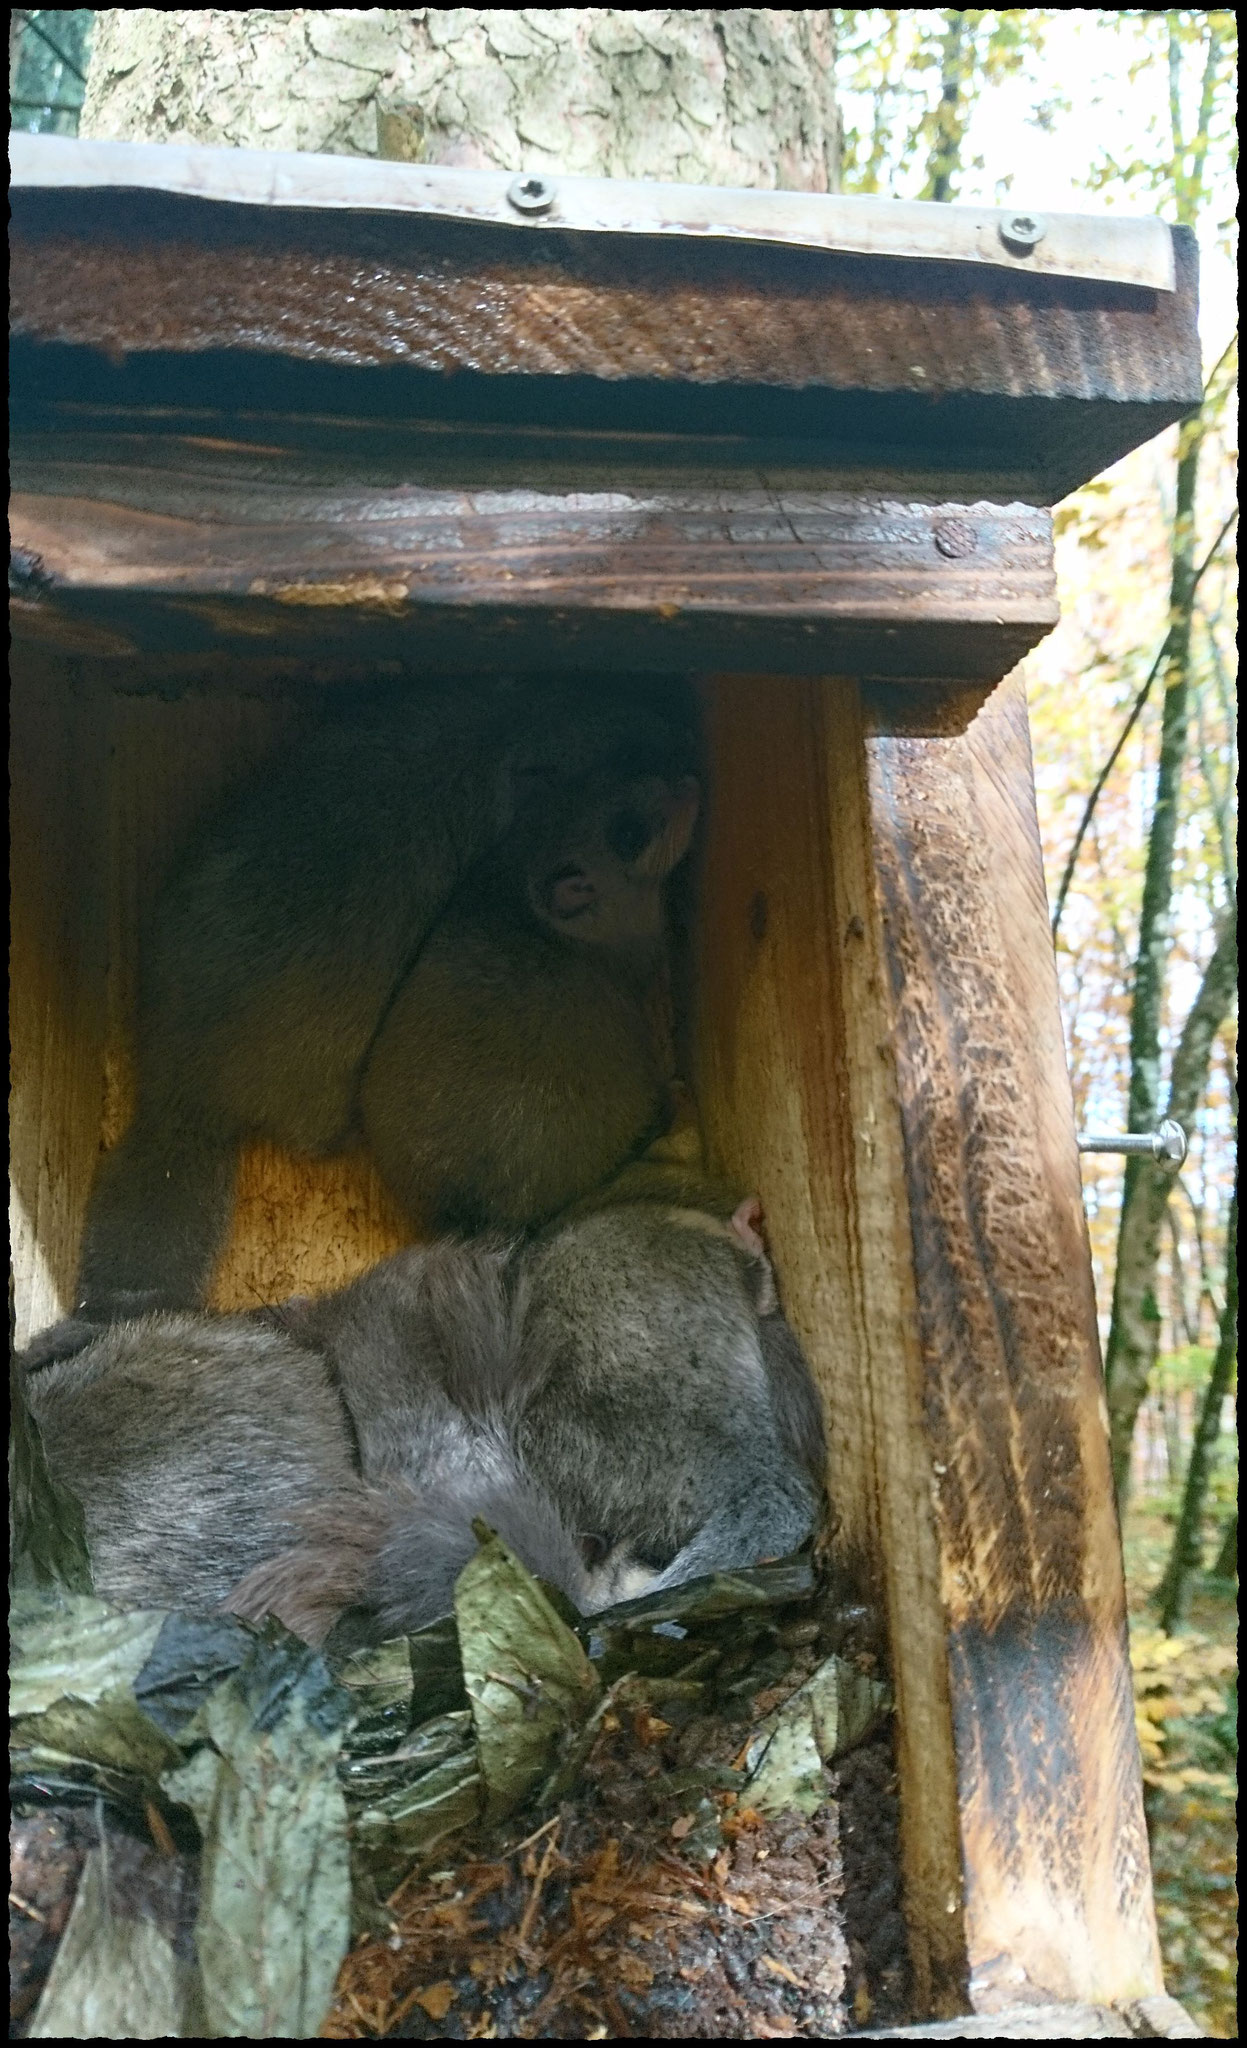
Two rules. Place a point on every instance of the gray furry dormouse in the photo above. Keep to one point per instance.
(620, 1399)
(433, 927)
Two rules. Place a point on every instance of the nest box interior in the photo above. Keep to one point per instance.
(272, 440)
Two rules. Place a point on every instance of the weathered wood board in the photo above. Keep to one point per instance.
(954, 364)
(367, 537)
(881, 1055)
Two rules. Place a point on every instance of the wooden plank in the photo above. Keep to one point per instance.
(797, 1096)
(106, 789)
(1148, 2019)
(267, 540)
(880, 1052)
(57, 752)
(950, 366)
(1022, 2023)
(1125, 251)
(1055, 1850)
(1051, 1799)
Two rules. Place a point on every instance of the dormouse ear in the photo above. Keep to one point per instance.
(746, 1224)
(746, 1228)
(670, 844)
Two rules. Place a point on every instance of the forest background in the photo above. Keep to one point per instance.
(1132, 699)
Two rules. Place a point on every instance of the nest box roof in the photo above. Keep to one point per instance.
(612, 397)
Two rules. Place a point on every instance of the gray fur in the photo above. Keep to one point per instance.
(609, 1397)
(193, 1443)
(281, 941)
(654, 1418)
(516, 1068)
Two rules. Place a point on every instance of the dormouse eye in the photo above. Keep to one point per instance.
(628, 834)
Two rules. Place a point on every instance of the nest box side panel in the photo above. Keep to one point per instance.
(299, 1225)
(107, 788)
(57, 749)
(880, 1055)
(1055, 1847)
(797, 1097)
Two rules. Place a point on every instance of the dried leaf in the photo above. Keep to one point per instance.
(370, 1778)
(436, 1670)
(529, 1682)
(273, 1919)
(709, 1599)
(836, 1707)
(704, 1839)
(190, 1657)
(649, 1728)
(74, 1662)
(114, 1978)
(437, 2000)
(391, 1832)
(379, 1683)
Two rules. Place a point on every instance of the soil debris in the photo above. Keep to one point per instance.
(656, 1902)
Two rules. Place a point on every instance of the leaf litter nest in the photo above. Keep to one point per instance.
(557, 1829)
(656, 1900)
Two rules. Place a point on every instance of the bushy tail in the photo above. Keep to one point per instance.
(398, 1548)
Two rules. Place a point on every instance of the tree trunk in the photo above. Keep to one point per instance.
(945, 157)
(1131, 1338)
(1186, 1556)
(1171, 1424)
(739, 96)
(1226, 1566)
(1135, 1328)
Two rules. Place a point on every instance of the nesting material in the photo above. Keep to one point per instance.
(514, 1823)
(704, 1875)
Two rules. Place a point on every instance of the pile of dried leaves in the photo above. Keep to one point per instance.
(529, 1825)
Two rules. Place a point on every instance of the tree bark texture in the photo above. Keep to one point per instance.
(1186, 1556)
(1135, 1328)
(1132, 1331)
(737, 96)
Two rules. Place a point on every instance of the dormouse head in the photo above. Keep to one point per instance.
(598, 875)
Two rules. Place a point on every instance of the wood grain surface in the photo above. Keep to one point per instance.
(1053, 375)
(796, 1085)
(191, 537)
(881, 1054)
(106, 788)
(1049, 1783)
(57, 960)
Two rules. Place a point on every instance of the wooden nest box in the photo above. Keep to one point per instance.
(282, 422)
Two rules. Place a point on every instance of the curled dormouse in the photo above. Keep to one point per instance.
(272, 977)
(517, 1068)
(620, 1398)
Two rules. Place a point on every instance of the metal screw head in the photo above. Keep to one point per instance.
(1022, 231)
(531, 194)
(1171, 1141)
(955, 538)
